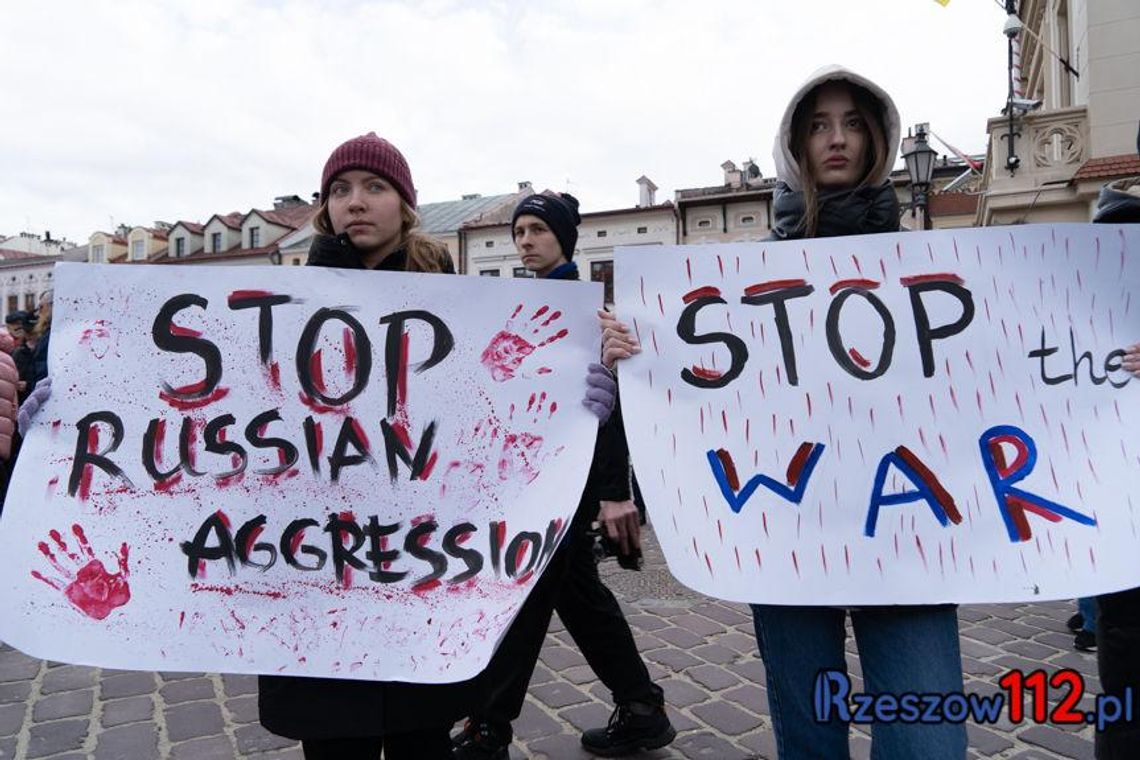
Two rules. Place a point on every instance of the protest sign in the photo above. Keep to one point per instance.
(889, 419)
(304, 471)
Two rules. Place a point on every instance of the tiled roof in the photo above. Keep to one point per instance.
(119, 239)
(192, 227)
(1109, 167)
(231, 220)
(7, 254)
(291, 217)
(949, 204)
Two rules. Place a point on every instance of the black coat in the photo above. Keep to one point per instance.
(316, 708)
(862, 211)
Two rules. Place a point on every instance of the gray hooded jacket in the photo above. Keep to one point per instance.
(863, 210)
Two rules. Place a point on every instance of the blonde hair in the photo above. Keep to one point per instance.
(875, 160)
(43, 318)
(425, 253)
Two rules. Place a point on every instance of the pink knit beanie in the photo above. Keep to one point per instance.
(373, 154)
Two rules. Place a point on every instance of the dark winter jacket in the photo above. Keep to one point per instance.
(313, 708)
(862, 211)
(1116, 207)
(609, 478)
(40, 359)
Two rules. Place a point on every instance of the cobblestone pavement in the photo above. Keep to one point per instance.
(701, 651)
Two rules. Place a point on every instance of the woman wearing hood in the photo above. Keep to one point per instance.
(834, 152)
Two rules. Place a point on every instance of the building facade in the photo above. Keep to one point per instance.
(1074, 124)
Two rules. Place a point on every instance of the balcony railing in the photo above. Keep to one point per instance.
(1051, 146)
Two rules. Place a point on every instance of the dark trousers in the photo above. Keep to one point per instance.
(1118, 664)
(429, 744)
(572, 586)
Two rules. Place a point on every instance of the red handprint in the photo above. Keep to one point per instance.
(92, 590)
(508, 348)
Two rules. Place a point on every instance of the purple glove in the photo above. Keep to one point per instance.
(601, 392)
(32, 405)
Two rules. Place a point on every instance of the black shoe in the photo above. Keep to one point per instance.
(482, 740)
(1076, 623)
(632, 727)
(1085, 641)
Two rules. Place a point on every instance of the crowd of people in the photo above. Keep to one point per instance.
(837, 141)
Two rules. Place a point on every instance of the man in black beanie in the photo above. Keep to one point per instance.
(556, 215)
(545, 231)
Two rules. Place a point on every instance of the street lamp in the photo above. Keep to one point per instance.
(919, 158)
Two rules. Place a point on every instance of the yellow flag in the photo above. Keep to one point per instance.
(943, 3)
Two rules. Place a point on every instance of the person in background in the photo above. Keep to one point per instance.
(18, 327)
(41, 335)
(1083, 625)
(1118, 614)
(545, 231)
(9, 384)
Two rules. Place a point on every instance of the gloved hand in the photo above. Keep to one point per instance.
(601, 392)
(32, 404)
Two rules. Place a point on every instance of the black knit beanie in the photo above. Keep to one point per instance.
(560, 212)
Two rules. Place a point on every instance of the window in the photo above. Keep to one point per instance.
(521, 272)
(138, 250)
(488, 272)
(179, 247)
(601, 233)
(13, 304)
(603, 271)
(748, 219)
(489, 244)
(296, 262)
(704, 224)
(30, 302)
(254, 237)
(216, 242)
(642, 230)
(97, 255)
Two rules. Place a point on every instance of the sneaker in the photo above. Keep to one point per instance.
(481, 740)
(632, 727)
(1085, 641)
(1076, 623)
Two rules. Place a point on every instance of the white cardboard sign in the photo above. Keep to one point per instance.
(889, 419)
(305, 471)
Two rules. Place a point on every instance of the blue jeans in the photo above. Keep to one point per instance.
(901, 649)
(1086, 605)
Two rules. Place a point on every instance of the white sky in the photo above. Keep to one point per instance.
(136, 110)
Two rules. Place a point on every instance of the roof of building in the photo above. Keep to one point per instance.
(292, 217)
(1109, 167)
(449, 216)
(232, 220)
(7, 254)
(953, 204)
(115, 238)
(201, 257)
(194, 228)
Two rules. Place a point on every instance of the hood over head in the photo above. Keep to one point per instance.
(787, 170)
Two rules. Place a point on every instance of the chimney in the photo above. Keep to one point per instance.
(47, 236)
(287, 201)
(647, 196)
(525, 186)
(732, 175)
